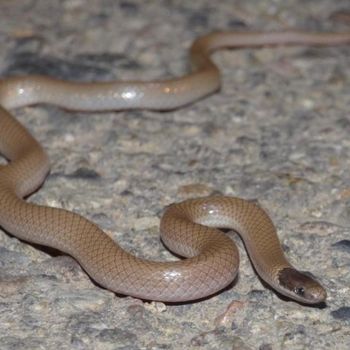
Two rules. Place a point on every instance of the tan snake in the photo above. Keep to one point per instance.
(187, 228)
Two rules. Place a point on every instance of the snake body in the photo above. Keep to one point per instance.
(187, 228)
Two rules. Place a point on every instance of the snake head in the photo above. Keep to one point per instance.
(301, 286)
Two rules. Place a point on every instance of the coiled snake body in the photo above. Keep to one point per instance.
(187, 228)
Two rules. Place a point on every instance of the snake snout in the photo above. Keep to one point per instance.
(316, 293)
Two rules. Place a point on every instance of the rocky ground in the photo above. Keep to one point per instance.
(277, 132)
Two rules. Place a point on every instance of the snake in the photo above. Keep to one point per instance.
(192, 229)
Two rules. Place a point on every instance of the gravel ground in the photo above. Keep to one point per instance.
(277, 132)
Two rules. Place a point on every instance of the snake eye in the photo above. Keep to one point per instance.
(299, 291)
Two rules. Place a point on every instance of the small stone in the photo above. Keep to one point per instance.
(342, 313)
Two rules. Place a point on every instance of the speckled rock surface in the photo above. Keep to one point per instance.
(278, 132)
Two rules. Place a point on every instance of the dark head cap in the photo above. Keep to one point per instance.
(301, 286)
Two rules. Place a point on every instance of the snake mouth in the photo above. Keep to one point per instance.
(301, 286)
